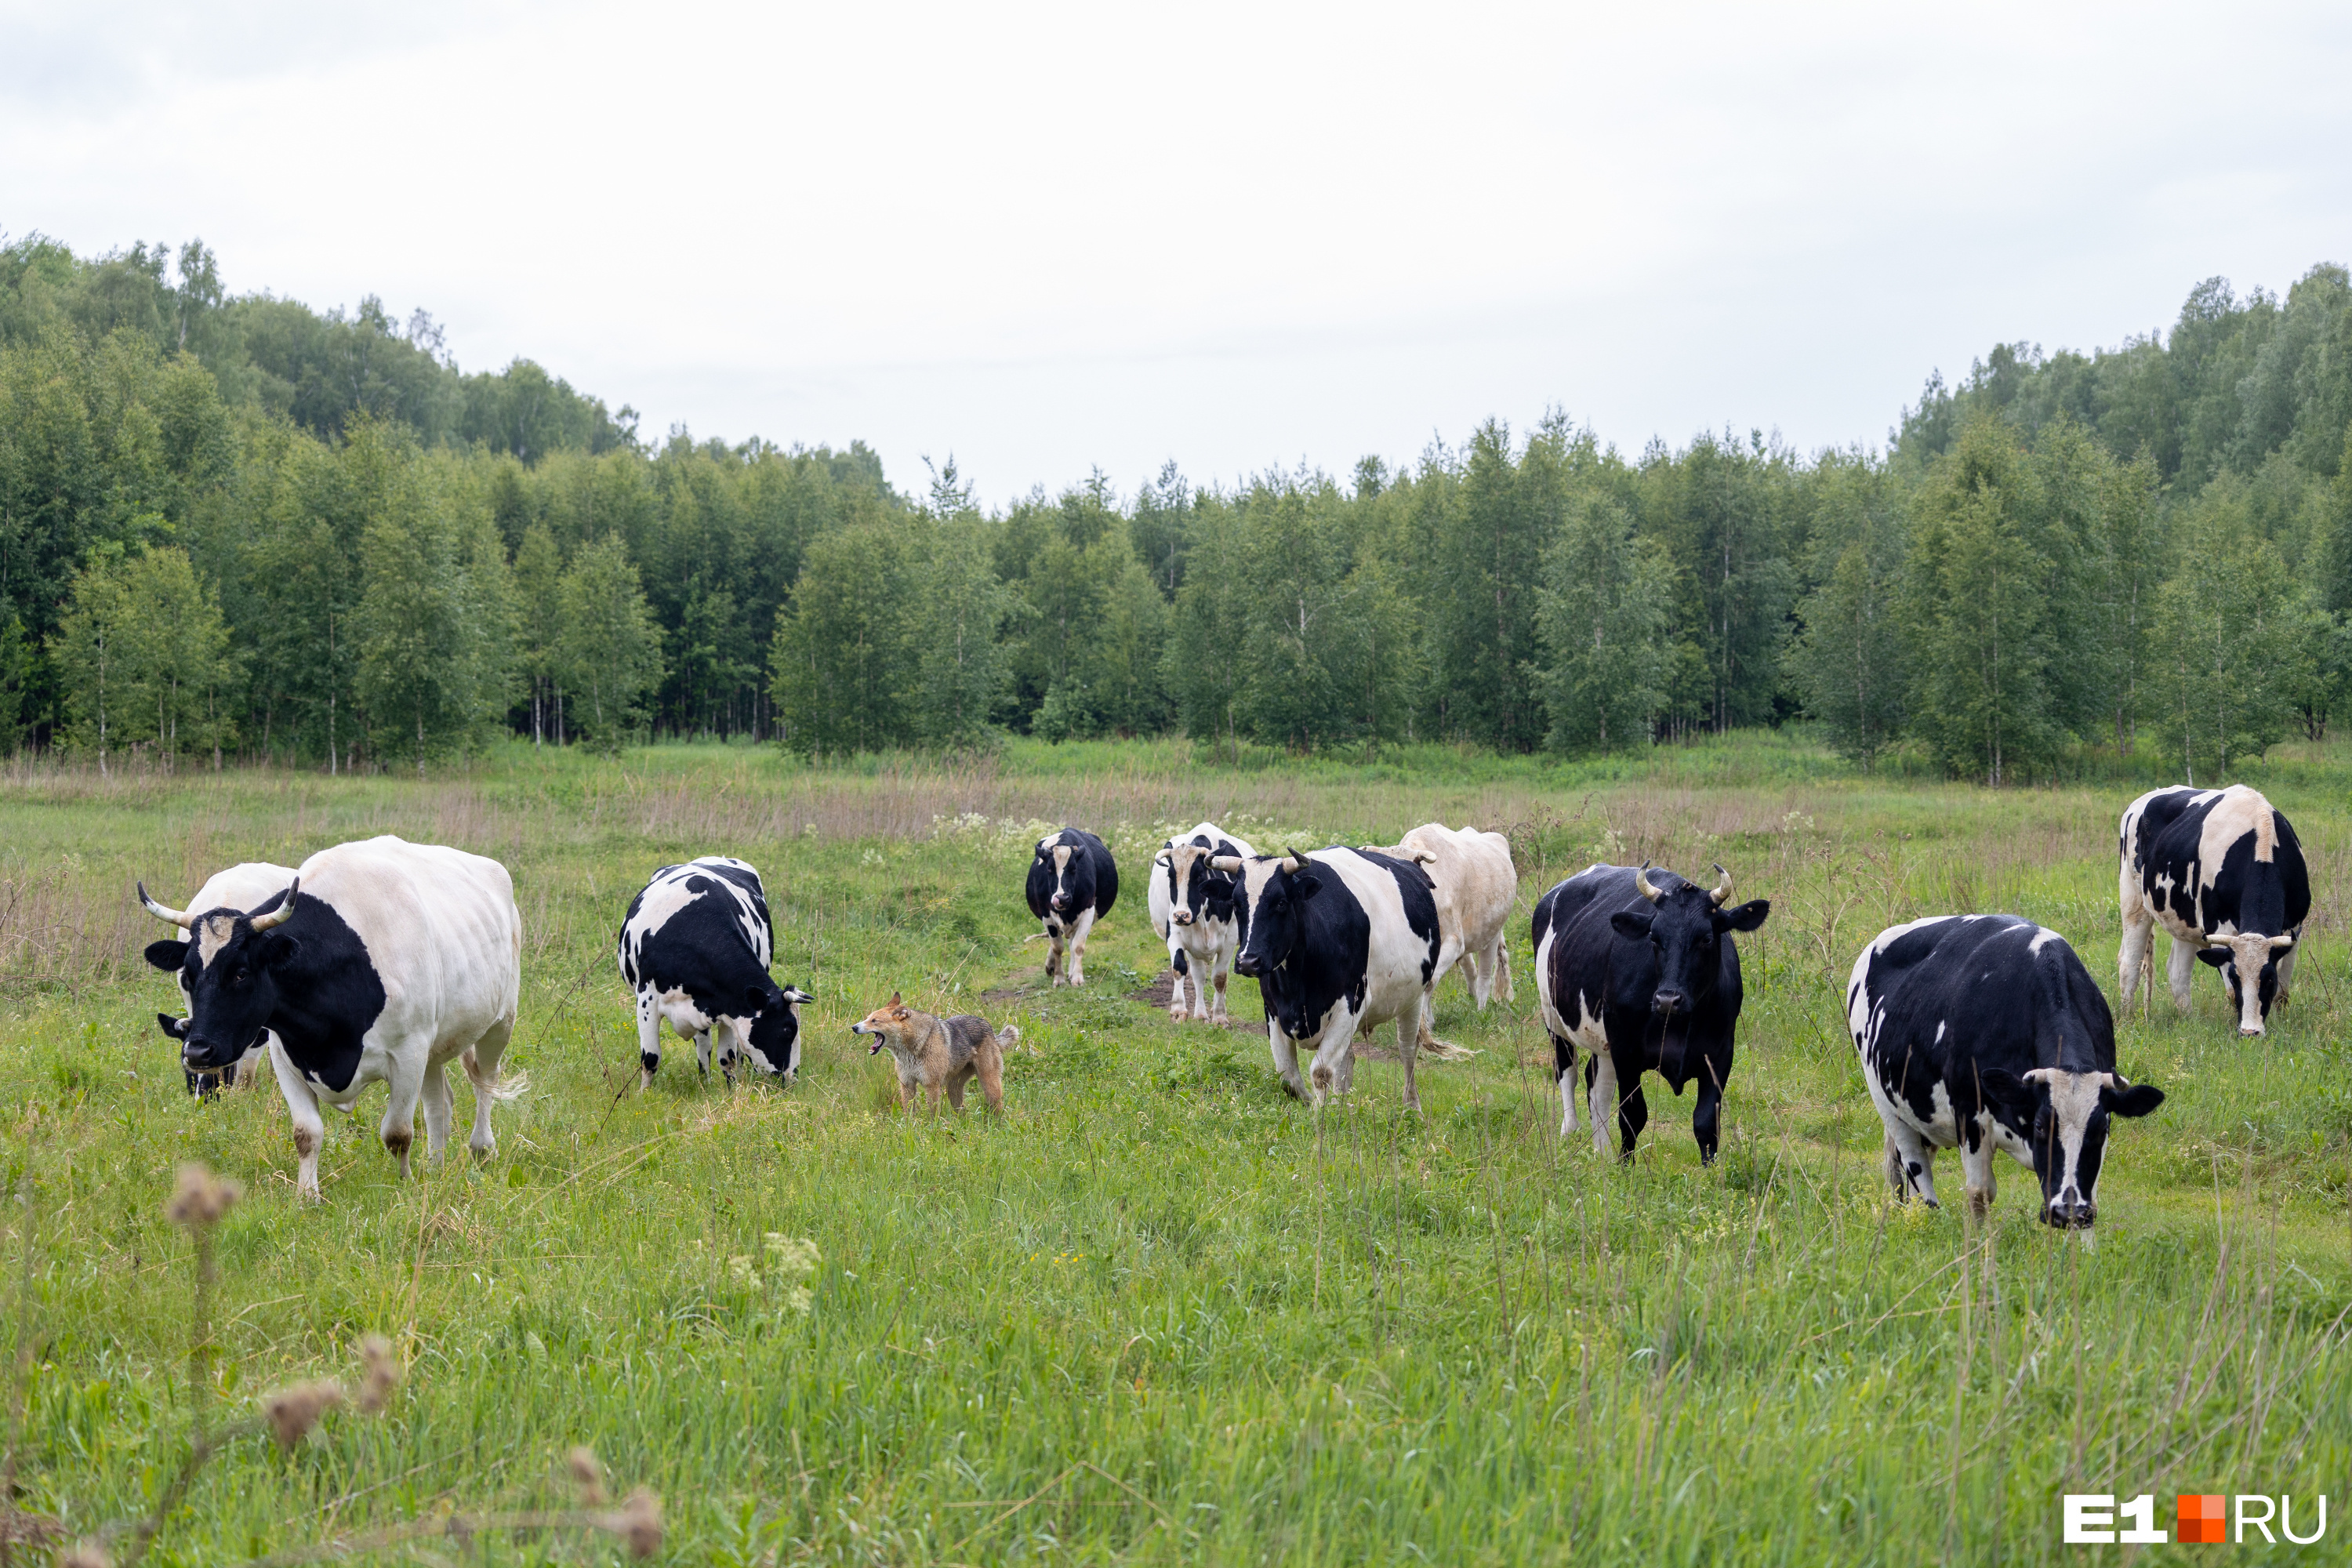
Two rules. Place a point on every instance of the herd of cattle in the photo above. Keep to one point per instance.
(386, 961)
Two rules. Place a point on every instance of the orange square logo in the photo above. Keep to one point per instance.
(2201, 1517)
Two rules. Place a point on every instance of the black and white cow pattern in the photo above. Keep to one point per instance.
(1072, 883)
(382, 961)
(1984, 1032)
(695, 948)
(1192, 905)
(242, 886)
(1337, 941)
(1640, 968)
(2221, 871)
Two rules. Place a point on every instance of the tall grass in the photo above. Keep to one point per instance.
(1157, 1312)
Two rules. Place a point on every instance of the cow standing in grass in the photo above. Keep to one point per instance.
(1640, 970)
(1192, 905)
(241, 886)
(383, 959)
(2221, 871)
(1073, 882)
(1984, 1032)
(1475, 884)
(695, 947)
(1337, 941)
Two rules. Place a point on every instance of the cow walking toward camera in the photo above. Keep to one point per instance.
(381, 960)
(695, 948)
(241, 886)
(1640, 969)
(1192, 905)
(1337, 941)
(1073, 882)
(2222, 872)
(1984, 1032)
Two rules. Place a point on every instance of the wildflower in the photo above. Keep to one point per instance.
(381, 1374)
(739, 1266)
(587, 1474)
(292, 1412)
(201, 1198)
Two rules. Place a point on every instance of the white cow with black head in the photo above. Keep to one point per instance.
(242, 886)
(383, 961)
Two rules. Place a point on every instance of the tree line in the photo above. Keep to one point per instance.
(236, 528)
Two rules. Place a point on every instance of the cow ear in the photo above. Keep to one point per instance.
(756, 998)
(175, 1027)
(2004, 1088)
(1633, 924)
(167, 955)
(1743, 916)
(1306, 884)
(2134, 1099)
(2219, 957)
(279, 951)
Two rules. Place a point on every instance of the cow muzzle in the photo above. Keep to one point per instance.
(1182, 917)
(2250, 1030)
(1247, 966)
(1668, 1002)
(2070, 1211)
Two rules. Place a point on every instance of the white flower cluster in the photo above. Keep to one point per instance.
(784, 1267)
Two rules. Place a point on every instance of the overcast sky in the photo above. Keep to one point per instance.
(1049, 238)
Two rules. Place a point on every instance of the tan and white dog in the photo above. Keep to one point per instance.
(935, 1053)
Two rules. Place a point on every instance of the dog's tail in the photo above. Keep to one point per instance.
(1008, 1038)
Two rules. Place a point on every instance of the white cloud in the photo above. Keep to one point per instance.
(1049, 238)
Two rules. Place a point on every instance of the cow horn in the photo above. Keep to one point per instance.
(1643, 885)
(282, 914)
(2279, 942)
(1722, 889)
(169, 917)
(2220, 942)
(1225, 862)
(1294, 861)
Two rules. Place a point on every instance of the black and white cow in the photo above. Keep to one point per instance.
(1640, 970)
(1338, 940)
(383, 959)
(240, 887)
(1073, 882)
(2222, 871)
(1986, 1032)
(695, 948)
(1192, 905)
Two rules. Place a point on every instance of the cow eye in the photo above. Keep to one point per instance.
(242, 974)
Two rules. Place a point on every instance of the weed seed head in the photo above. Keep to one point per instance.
(292, 1412)
(639, 1524)
(201, 1198)
(587, 1474)
(380, 1374)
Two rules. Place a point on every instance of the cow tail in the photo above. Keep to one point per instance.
(506, 1086)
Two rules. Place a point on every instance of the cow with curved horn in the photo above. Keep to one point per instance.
(2221, 871)
(1337, 940)
(242, 886)
(1641, 971)
(383, 959)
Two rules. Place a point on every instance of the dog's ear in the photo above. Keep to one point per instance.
(893, 1000)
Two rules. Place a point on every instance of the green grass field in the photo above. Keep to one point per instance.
(1160, 1313)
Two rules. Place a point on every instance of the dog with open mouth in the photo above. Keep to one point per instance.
(939, 1054)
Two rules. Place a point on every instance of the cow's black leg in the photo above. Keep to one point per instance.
(1704, 1121)
(1633, 1115)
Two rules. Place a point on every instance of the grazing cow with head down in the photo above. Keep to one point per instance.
(2223, 873)
(695, 947)
(1337, 941)
(1192, 905)
(1986, 1031)
(383, 959)
(1073, 882)
(239, 888)
(1641, 971)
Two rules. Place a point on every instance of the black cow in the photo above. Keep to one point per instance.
(2221, 869)
(1643, 971)
(1337, 941)
(1986, 1031)
(695, 946)
(1073, 882)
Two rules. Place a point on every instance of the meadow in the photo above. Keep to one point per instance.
(1158, 1312)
